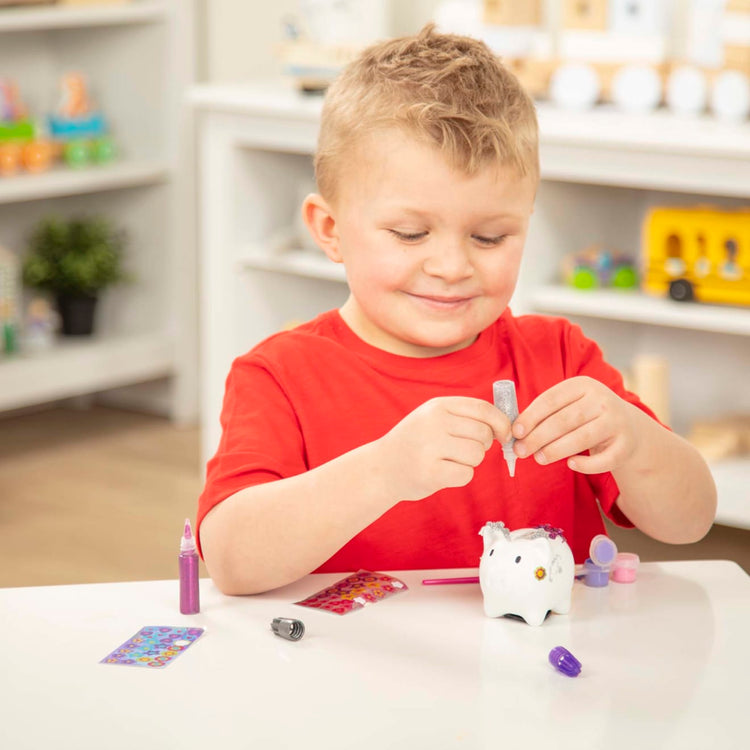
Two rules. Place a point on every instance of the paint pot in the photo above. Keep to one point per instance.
(595, 575)
(625, 567)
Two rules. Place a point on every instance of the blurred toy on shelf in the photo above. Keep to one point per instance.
(40, 324)
(10, 292)
(313, 66)
(324, 35)
(722, 438)
(700, 253)
(598, 266)
(637, 55)
(624, 45)
(20, 145)
(713, 71)
(78, 127)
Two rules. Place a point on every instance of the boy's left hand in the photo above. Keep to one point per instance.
(577, 415)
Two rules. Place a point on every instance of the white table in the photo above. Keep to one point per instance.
(665, 665)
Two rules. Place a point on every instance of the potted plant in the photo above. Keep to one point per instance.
(74, 260)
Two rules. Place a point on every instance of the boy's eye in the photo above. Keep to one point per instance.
(489, 241)
(408, 236)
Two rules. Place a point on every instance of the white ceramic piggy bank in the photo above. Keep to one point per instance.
(526, 572)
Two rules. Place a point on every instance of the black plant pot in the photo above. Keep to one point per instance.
(77, 314)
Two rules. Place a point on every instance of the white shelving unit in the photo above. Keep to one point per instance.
(600, 171)
(640, 308)
(139, 59)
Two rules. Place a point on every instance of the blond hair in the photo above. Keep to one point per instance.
(447, 90)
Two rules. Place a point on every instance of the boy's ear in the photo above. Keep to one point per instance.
(320, 222)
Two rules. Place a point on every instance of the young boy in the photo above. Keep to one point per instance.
(366, 438)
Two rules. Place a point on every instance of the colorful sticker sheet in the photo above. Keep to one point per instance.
(354, 592)
(154, 646)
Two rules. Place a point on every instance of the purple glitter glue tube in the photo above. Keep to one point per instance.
(188, 563)
(563, 661)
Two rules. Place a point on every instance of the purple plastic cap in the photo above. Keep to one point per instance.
(563, 661)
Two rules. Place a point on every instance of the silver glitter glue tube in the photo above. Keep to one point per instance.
(504, 397)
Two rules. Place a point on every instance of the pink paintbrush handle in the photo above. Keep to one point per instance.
(439, 581)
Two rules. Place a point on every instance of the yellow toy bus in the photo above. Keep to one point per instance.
(700, 253)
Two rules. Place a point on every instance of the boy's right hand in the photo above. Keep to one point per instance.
(439, 444)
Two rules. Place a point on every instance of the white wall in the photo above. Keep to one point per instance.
(239, 37)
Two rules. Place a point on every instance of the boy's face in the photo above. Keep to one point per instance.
(431, 255)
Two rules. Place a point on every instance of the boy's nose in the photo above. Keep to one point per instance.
(450, 263)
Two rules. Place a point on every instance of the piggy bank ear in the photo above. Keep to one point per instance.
(494, 532)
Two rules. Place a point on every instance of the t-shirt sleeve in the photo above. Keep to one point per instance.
(261, 439)
(584, 357)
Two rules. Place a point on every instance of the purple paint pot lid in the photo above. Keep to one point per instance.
(602, 550)
(563, 661)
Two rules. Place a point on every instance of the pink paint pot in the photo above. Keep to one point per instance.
(625, 567)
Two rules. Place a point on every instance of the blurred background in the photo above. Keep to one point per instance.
(153, 155)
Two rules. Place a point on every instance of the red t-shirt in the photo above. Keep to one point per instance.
(305, 396)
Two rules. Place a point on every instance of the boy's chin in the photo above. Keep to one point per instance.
(437, 346)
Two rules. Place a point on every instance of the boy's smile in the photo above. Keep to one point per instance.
(431, 254)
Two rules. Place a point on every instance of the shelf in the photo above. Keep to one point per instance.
(640, 308)
(659, 150)
(309, 263)
(732, 478)
(64, 181)
(267, 99)
(661, 130)
(74, 367)
(65, 17)
(142, 54)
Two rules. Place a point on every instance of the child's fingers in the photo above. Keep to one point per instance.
(562, 446)
(471, 429)
(576, 421)
(553, 400)
(463, 451)
(455, 474)
(595, 464)
(481, 411)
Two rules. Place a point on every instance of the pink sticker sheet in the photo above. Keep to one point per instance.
(354, 592)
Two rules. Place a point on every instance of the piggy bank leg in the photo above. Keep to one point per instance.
(492, 610)
(535, 617)
(562, 607)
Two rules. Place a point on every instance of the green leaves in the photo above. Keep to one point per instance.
(77, 256)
